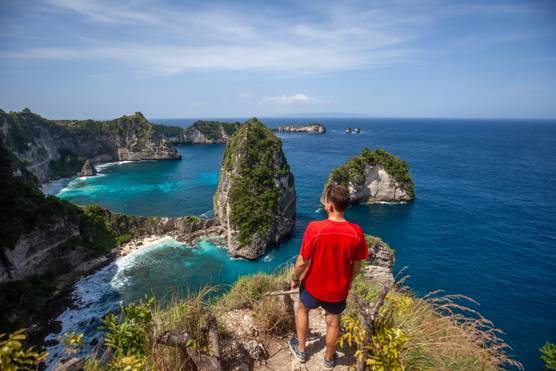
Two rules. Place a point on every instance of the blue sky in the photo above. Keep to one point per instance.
(413, 58)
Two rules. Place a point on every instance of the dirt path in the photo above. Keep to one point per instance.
(280, 357)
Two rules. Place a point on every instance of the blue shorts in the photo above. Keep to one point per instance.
(312, 303)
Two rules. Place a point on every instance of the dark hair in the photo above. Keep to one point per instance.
(338, 195)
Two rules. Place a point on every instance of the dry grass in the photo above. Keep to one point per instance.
(190, 315)
(442, 333)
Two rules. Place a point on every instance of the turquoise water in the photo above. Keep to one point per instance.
(483, 223)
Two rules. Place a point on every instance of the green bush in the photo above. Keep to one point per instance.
(126, 332)
(14, 356)
(548, 355)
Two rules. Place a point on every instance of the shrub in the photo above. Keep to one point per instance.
(548, 355)
(126, 332)
(14, 356)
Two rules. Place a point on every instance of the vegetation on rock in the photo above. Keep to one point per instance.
(252, 153)
(212, 129)
(62, 146)
(354, 169)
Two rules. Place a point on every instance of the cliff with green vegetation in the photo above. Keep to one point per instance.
(255, 200)
(301, 128)
(385, 327)
(200, 132)
(374, 176)
(58, 148)
(44, 239)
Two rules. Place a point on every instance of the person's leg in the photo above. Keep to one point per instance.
(302, 325)
(332, 334)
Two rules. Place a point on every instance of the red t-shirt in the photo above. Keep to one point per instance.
(331, 247)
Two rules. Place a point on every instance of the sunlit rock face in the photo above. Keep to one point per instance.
(255, 201)
(53, 149)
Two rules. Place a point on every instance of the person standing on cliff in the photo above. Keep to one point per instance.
(329, 259)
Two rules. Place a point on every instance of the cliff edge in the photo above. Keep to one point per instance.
(255, 199)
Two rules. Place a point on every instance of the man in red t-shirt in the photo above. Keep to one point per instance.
(330, 256)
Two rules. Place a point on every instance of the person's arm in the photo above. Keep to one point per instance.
(298, 270)
(355, 268)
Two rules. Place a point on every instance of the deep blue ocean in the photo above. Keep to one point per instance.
(483, 223)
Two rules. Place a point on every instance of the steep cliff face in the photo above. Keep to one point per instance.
(255, 200)
(299, 128)
(200, 132)
(43, 234)
(209, 132)
(374, 176)
(53, 149)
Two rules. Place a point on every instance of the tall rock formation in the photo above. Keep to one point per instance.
(57, 148)
(88, 169)
(374, 176)
(255, 200)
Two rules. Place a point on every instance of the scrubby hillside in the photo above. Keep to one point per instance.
(248, 327)
(58, 148)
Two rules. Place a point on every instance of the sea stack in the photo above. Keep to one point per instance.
(88, 169)
(255, 199)
(374, 176)
(298, 128)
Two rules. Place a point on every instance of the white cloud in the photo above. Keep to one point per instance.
(290, 99)
(168, 39)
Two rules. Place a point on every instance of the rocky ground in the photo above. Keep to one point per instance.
(273, 351)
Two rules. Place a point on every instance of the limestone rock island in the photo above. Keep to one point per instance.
(255, 200)
(301, 128)
(88, 169)
(374, 176)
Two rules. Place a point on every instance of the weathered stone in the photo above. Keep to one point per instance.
(301, 128)
(88, 169)
(255, 200)
(374, 176)
(56, 148)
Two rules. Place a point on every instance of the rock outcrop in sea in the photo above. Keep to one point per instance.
(53, 149)
(255, 201)
(301, 128)
(374, 176)
(88, 169)
(200, 132)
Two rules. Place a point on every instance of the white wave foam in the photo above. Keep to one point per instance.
(93, 297)
(384, 203)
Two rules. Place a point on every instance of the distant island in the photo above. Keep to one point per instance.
(313, 128)
(200, 132)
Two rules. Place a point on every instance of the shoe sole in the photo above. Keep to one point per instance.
(295, 354)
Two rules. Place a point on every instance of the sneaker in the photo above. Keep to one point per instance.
(299, 355)
(329, 365)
